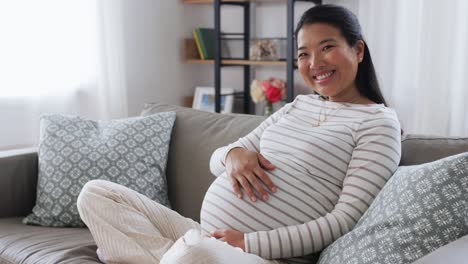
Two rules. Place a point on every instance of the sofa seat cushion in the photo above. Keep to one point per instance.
(21, 243)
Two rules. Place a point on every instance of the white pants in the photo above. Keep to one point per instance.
(128, 227)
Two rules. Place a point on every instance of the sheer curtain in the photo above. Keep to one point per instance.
(61, 57)
(420, 49)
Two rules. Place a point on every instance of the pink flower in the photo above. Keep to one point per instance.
(272, 93)
(273, 90)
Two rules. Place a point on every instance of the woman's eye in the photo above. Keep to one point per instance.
(301, 55)
(327, 47)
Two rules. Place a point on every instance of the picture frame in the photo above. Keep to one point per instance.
(204, 99)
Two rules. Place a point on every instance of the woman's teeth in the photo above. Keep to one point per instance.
(323, 76)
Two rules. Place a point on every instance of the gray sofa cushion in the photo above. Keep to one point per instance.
(196, 134)
(74, 150)
(36, 244)
(420, 209)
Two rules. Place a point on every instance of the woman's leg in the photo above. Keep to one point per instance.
(127, 226)
(194, 247)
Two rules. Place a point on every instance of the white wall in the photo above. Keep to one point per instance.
(153, 33)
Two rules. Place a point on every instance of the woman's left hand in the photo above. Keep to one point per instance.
(231, 236)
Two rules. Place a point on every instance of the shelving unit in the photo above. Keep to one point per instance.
(239, 62)
(245, 62)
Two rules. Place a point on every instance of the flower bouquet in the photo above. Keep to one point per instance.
(269, 91)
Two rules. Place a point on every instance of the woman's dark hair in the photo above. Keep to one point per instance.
(348, 25)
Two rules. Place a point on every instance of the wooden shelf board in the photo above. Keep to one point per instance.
(250, 62)
(211, 1)
(238, 62)
(199, 61)
(232, 1)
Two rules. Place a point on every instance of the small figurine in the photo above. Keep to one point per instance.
(264, 49)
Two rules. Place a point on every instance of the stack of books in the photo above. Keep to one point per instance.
(205, 40)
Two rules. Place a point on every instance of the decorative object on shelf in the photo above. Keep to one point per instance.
(269, 91)
(204, 99)
(264, 49)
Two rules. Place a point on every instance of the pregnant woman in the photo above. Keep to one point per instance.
(289, 188)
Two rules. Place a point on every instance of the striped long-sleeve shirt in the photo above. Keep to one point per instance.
(331, 159)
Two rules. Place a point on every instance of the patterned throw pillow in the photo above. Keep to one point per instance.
(420, 209)
(72, 151)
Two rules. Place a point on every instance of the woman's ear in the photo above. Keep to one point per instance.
(359, 48)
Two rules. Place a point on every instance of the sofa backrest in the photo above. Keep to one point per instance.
(418, 149)
(196, 134)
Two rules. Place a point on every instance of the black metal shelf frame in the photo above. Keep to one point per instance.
(246, 34)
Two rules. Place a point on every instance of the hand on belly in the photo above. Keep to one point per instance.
(245, 170)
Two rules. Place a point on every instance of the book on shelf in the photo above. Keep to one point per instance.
(197, 42)
(205, 44)
(207, 41)
(205, 38)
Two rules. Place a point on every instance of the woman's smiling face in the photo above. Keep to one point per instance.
(327, 63)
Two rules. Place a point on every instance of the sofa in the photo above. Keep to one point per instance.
(195, 136)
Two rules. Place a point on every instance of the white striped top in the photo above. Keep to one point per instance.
(326, 175)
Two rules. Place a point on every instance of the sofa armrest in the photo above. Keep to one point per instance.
(454, 253)
(18, 180)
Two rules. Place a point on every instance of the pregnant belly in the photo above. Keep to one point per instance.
(290, 205)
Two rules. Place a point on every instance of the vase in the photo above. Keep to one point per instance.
(268, 110)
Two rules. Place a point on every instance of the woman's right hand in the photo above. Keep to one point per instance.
(245, 169)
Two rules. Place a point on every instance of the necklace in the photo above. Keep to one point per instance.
(323, 118)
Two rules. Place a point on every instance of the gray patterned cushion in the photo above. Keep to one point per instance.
(72, 151)
(420, 209)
